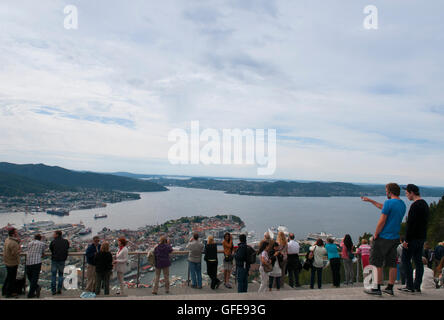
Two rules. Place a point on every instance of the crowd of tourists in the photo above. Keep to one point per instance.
(100, 264)
(278, 258)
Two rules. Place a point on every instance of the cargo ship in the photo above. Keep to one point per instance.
(58, 212)
(100, 216)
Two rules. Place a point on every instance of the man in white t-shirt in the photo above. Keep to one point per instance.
(293, 263)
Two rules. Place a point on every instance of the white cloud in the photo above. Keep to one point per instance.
(350, 104)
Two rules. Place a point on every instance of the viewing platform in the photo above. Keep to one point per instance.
(303, 293)
(184, 292)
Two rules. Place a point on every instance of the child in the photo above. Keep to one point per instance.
(400, 268)
(276, 260)
(364, 252)
(104, 266)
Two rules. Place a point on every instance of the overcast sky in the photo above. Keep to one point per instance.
(348, 104)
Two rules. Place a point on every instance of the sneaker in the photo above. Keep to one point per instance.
(406, 290)
(388, 291)
(375, 292)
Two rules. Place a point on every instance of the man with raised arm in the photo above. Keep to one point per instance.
(386, 237)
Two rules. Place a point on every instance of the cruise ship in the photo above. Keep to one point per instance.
(38, 224)
(273, 232)
(322, 235)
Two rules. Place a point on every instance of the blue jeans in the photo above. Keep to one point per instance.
(401, 273)
(196, 273)
(414, 251)
(242, 279)
(57, 267)
(315, 270)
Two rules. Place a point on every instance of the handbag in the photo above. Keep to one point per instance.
(308, 260)
(228, 257)
(351, 255)
(268, 267)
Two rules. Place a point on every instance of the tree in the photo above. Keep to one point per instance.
(435, 230)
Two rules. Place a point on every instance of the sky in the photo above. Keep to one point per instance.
(347, 103)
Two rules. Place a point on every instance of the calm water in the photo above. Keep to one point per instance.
(335, 215)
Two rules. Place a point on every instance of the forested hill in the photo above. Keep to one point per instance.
(63, 178)
(435, 231)
(287, 188)
(12, 185)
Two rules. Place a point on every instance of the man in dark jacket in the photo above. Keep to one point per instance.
(242, 264)
(59, 253)
(416, 234)
(91, 253)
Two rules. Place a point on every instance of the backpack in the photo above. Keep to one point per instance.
(309, 259)
(151, 257)
(251, 255)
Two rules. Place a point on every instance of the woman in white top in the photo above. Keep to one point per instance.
(120, 263)
(265, 247)
(319, 253)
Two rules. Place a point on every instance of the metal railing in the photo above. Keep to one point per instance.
(139, 255)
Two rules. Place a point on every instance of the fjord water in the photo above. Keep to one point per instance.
(335, 215)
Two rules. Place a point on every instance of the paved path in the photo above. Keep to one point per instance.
(303, 293)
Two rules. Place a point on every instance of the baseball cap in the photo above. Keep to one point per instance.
(412, 188)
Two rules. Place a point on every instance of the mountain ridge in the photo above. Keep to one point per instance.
(65, 178)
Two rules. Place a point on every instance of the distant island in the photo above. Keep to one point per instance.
(287, 188)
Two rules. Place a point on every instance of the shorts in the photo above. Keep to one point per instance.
(383, 252)
(228, 265)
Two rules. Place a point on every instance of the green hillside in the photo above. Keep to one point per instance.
(68, 178)
(13, 185)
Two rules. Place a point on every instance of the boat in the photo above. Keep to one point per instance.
(148, 268)
(322, 235)
(85, 231)
(38, 224)
(58, 212)
(99, 216)
(274, 231)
